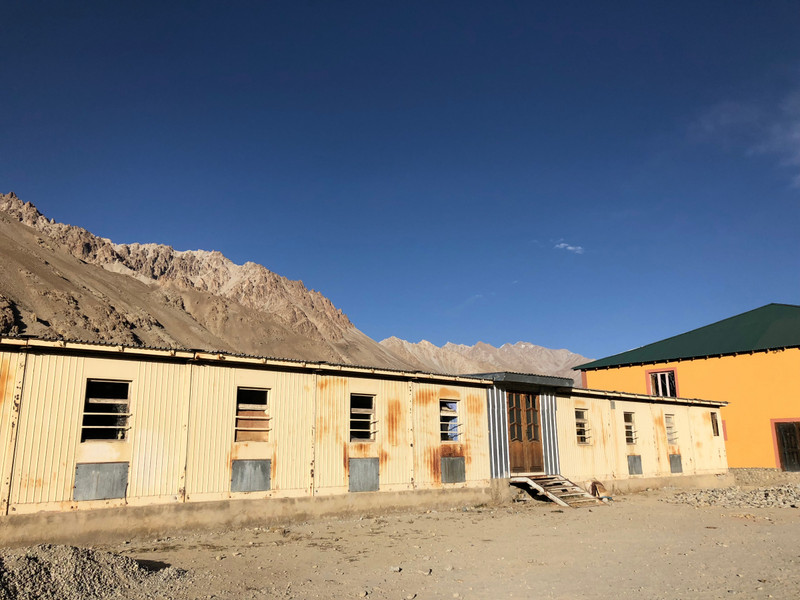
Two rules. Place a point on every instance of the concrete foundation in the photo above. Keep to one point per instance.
(637, 484)
(115, 524)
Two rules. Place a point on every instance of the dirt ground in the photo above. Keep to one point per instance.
(638, 546)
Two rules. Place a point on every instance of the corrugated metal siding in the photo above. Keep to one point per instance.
(332, 431)
(291, 410)
(10, 370)
(548, 407)
(211, 422)
(159, 424)
(393, 435)
(497, 409)
(48, 430)
(606, 457)
(476, 435)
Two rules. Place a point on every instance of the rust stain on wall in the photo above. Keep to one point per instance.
(434, 464)
(384, 458)
(362, 450)
(346, 460)
(452, 450)
(4, 373)
(425, 396)
(394, 418)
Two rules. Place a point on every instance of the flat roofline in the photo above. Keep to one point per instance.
(526, 378)
(212, 356)
(614, 395)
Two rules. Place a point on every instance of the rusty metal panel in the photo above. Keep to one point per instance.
(634, 464)
(100, 481)
(393, 433)
(250, 475)
(159, 407)
(48, 429)
(332, 433)
(473, 442)
(364, 475)
(11, 372)
(291, 435)
(453, 469)
(210, 433)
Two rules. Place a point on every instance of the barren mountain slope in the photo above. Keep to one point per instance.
(60, 280)
(521, 357)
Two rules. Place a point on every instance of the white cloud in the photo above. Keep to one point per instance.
(569, 247)
(765, 128)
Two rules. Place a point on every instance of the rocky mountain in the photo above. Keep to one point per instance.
(521, 357)
(58, 280)
(61, 281)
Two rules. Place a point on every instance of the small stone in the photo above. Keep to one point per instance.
(363, 594)
(396, 569)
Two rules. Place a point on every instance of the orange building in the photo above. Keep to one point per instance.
(751, 361)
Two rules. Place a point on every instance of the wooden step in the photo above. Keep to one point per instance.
(560, 490)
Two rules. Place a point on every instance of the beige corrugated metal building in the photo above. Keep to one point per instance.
(541, 425)
(85, 426)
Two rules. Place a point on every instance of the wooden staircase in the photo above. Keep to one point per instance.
(557, 488)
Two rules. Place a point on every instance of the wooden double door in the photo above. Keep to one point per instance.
(525, 433)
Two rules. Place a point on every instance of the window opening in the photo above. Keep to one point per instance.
(630, 428)
(714, 424)
(582, 425)
(532, 418)
(252, 420)
(514, 418)
(105, 410)
(448, 420)
(362, 418)
(663, 384)
(672, 432)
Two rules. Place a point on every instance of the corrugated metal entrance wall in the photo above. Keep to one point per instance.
(497, 405)
(180, 443)
(547, 402)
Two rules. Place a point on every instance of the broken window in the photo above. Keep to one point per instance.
(362, 418)
(448, 420)
(714, 424)
(662, 383)
(672, 431)
(582, 425)
(105, 410)
(630, 428)
(514, 417)
(252, 420)
(531, 418)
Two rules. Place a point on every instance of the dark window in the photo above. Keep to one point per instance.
(252, 421)
(634, 464)
(675, 465)
(362, 418)
(582, 425)
(714, 424)
(672, 430)
(630, 428)
(663, 384)
(514, 418)
(105, 410)
(448, 420)
(532, 418)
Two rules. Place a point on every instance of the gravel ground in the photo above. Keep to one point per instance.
(783, 496)
(64, 572)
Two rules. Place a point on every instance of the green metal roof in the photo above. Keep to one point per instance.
(769, 327)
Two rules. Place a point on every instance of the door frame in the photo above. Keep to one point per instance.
(774, 433)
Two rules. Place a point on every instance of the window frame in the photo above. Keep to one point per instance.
(366, 415)
(656, 385)
(671, 429)
(251, 407)
(714, 423)
(630, 428)
(123, 418)
(450, 429)
(582, 429)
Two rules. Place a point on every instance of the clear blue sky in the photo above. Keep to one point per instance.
(584, 175)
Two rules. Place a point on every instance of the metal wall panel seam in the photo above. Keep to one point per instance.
(185, 425)
(314, 413)
(19, 383)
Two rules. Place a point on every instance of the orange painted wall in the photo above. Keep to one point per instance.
(759, 386)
